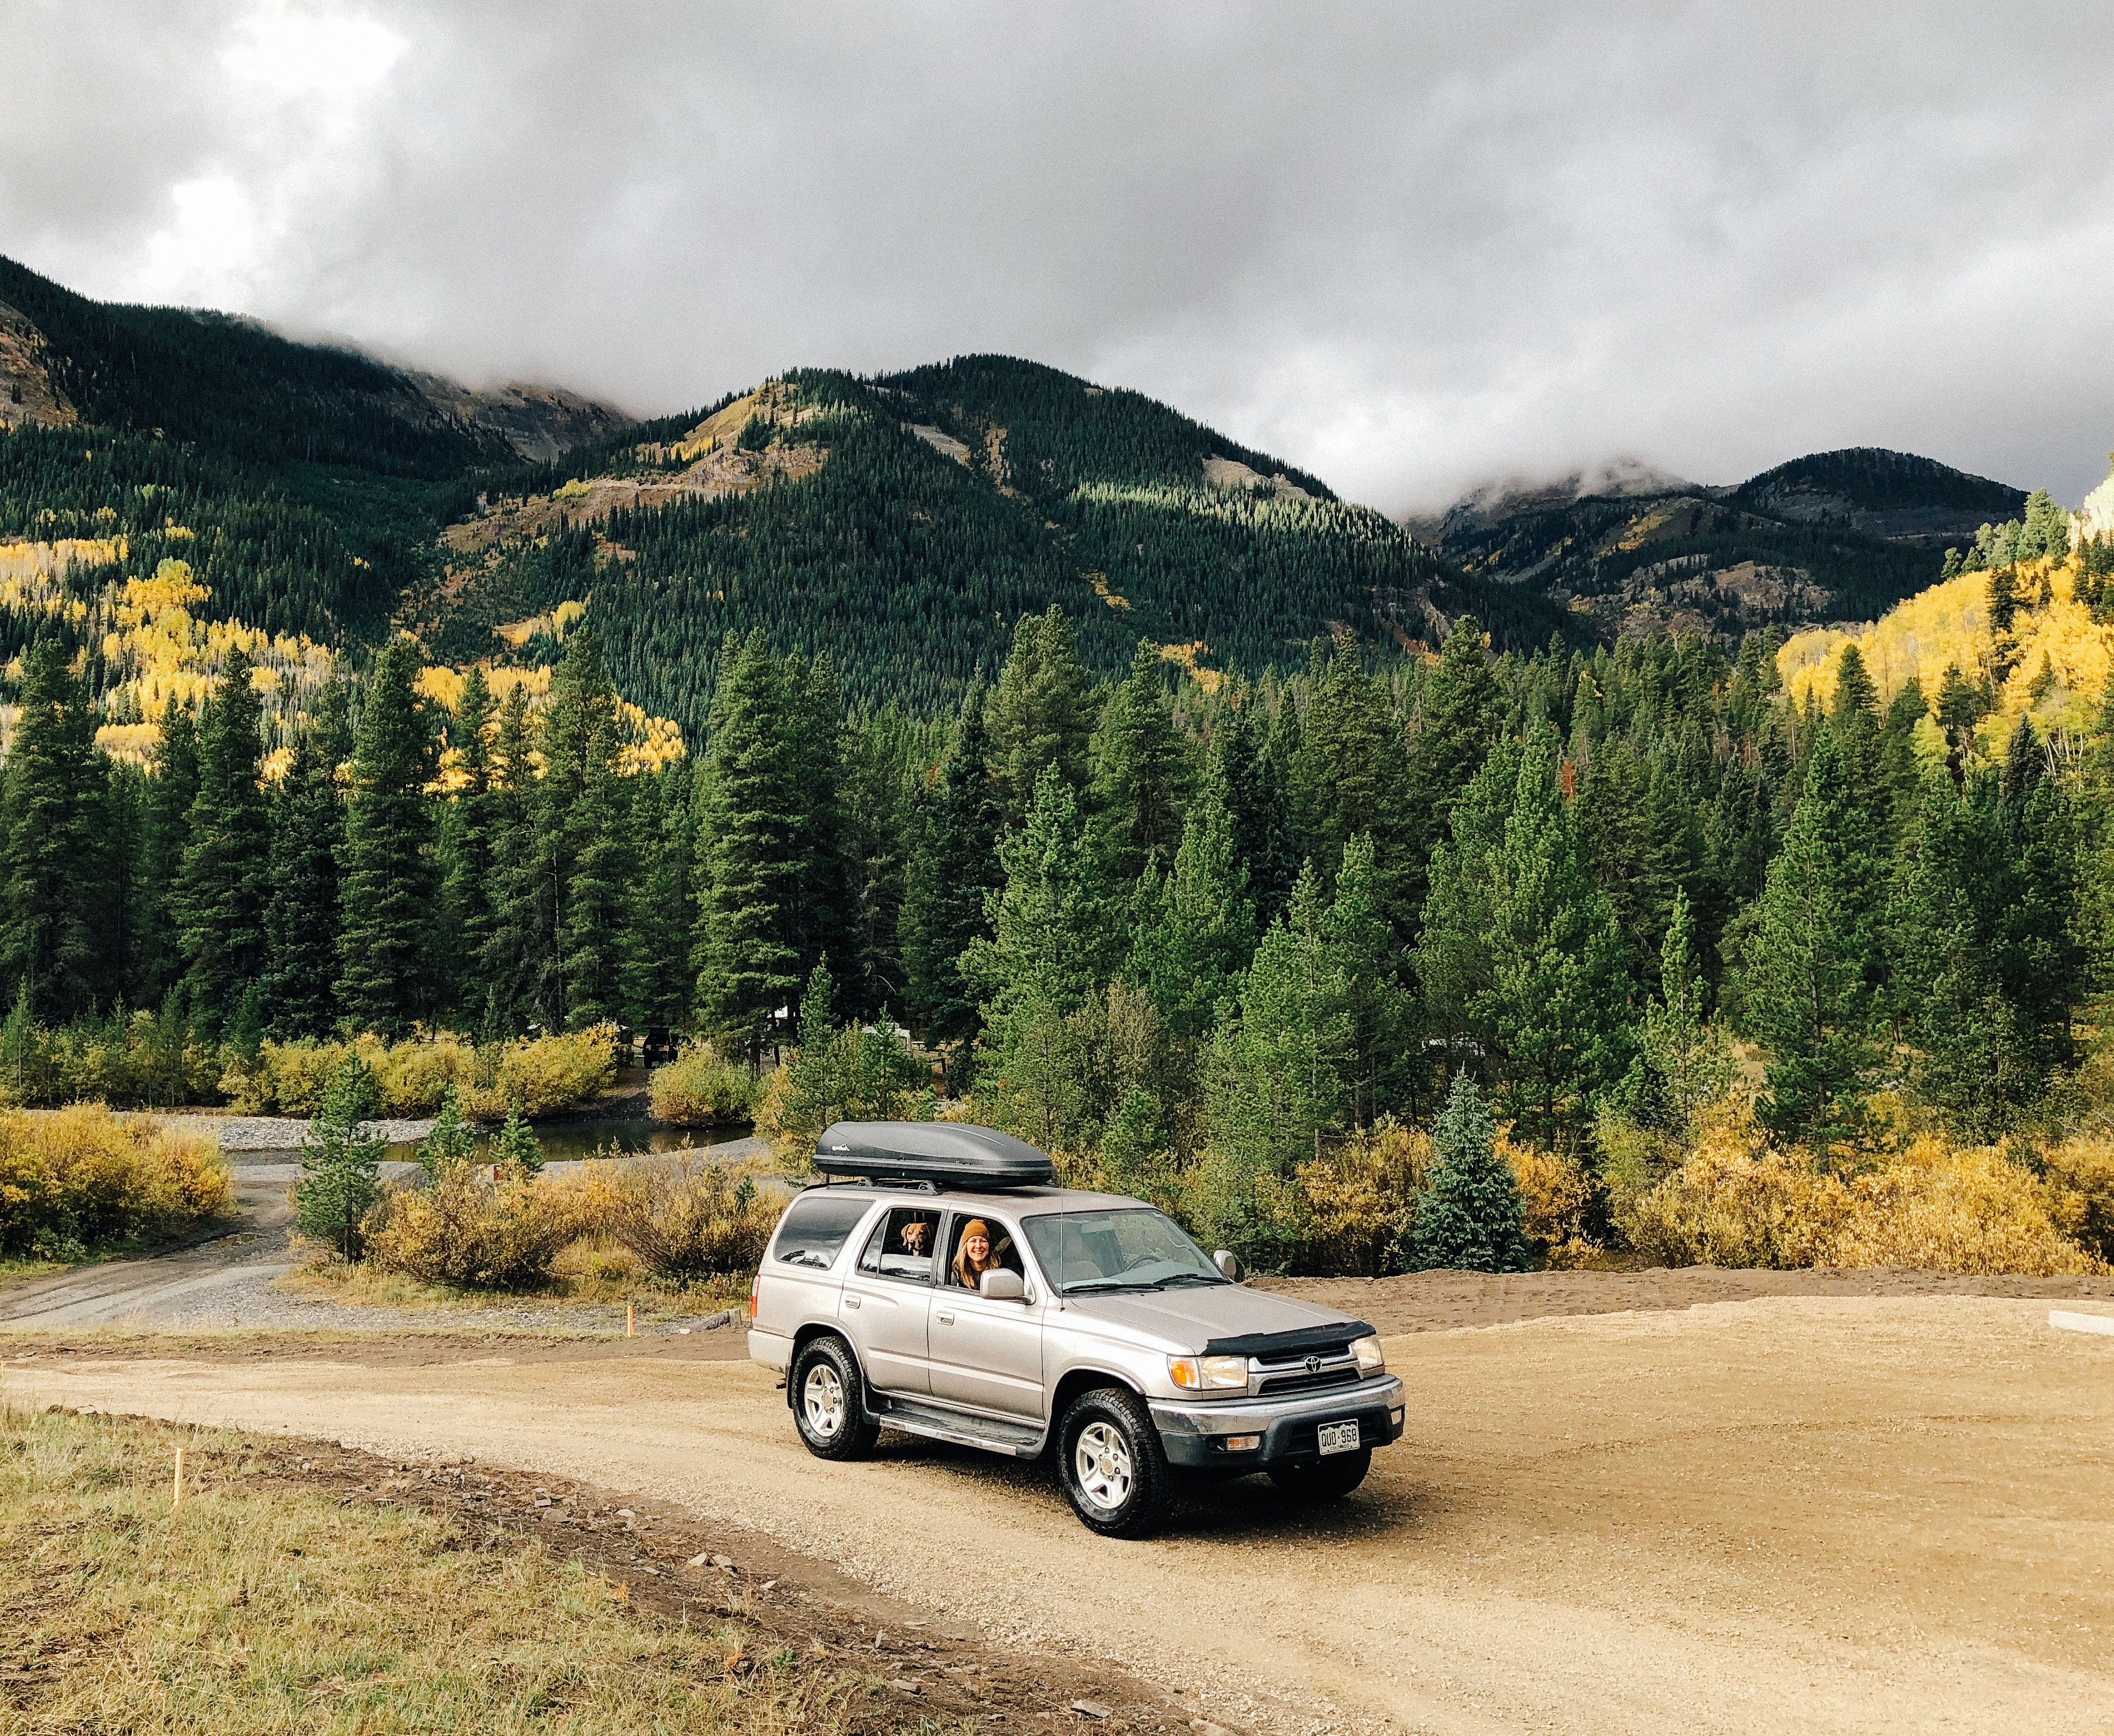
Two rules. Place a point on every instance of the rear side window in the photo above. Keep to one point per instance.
(814, 1229)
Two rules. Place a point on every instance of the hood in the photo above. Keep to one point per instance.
(1188, 1320)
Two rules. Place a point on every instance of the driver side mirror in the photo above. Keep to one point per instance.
(1002, 1286)
(1229, 1266)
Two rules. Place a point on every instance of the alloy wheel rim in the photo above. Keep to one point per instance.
(824, 1397)
(1101, 1465)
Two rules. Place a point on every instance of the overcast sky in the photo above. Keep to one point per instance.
(1411, 247)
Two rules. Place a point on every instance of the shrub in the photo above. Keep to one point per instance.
(688, 1219)
(699, 1089)
(413, 1076)
(1935, 1207)
(71, 1178)
(2081, 1172)
(539, 1074)
(469, 1229)
(1560, 1201)
(137, 1059)
(1359, 1204)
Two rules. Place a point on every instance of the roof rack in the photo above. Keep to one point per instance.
(936, 1153)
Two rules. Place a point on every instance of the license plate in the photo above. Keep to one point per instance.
(1337, 1437)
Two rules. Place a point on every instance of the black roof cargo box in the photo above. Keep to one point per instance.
(943, 1152)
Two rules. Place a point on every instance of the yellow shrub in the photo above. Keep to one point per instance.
(699, 1089)
(686, 1220)
(413, 1076)
(2081, 1172)
(1943, 1210)
(1358, 1204)
(539, 1074)
(72, 1178)
(1558, 1193)
(1935, 1207)
(467, 1229)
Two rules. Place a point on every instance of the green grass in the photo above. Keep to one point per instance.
(257, 1608)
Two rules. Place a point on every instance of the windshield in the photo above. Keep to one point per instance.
(1141, 1249)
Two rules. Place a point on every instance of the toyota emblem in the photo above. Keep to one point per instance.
(1314, 1365)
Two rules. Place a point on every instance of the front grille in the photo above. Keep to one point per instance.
(1269, 1385)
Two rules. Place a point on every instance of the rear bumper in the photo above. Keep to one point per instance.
(770, 1349)
(1196, 1433)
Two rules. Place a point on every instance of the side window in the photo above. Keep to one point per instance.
(977, 1245)
(814, 1229)
(901, 1245)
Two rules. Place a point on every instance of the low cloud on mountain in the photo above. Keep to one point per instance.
(1409, 247)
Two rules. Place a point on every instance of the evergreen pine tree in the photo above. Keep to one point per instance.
(658, 922)
(1140, 772)
(1381, 1061)
(469, 884)
(1809, 982)
(517, 1148)
(223, 888)
(582, 834)
(1039, 714)
(1557, 1005)
(453, 1141)
(388, 877)
(1250, 785)
(507, 967)
(1688, 1059)
(341, 1161)
(170, 793)
(752, 852)
(1196, 931)
(55, 914)
(1470, 1218)
(1353, 777)
(953, 871)
(301, 919)
(1451, 732)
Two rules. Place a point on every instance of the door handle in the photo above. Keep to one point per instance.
(851, 1301)
(946, 1320)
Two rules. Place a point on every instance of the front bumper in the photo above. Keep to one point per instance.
(1195, 1432)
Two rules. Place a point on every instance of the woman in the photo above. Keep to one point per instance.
(975, 1255)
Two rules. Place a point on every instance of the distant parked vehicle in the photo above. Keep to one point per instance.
(953, 1290)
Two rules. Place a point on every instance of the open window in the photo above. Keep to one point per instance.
(902, 1245)
(966, 1262)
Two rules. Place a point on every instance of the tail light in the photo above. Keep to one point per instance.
(755, 1284)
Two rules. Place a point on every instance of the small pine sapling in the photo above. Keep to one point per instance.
(1470, 1218)
(341, 1161)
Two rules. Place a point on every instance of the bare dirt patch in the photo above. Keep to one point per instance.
(1795, 1513)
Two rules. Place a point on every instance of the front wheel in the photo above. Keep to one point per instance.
(1324, 1479)
(828, 1407)
(1111, 1463)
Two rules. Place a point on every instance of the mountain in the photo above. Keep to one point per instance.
(1835, 536)
(903, 523)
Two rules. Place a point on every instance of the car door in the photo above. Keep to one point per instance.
(987, 1354)
(886, 1306)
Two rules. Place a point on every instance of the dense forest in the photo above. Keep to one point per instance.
(1148, 919)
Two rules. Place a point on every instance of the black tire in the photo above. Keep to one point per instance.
(1122, 1489)
(832, 1418)
(1329, 1479)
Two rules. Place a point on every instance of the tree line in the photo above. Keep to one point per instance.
(1138, 917)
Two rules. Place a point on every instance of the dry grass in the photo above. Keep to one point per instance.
(74, 1180)
(257, 1609)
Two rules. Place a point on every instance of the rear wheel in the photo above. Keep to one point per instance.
(829, 1407)
(1110, 1462)
(1329, 1479)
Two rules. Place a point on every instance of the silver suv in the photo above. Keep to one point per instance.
(953, 1291)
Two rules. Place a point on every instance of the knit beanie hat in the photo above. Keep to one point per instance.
(976, 1226)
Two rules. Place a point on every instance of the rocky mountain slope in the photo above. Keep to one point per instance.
(1835, 536)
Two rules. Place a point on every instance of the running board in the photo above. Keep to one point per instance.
(1016, 1440)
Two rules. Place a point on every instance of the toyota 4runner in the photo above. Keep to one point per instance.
(951, 1290)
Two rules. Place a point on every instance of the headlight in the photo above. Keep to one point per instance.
(1209, 1373)
(1371, 1362)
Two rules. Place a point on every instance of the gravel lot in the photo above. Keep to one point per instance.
(1789, 1514)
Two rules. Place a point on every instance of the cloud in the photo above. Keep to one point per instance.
(1411, 246)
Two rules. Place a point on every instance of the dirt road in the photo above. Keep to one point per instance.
(1788, 1514)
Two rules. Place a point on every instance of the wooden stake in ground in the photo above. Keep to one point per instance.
(176, 1488)
(630, 1320)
